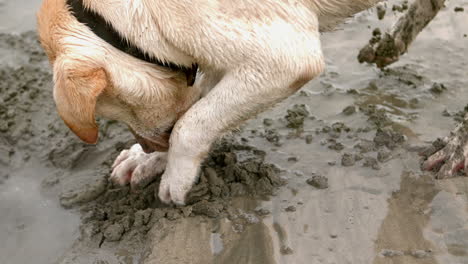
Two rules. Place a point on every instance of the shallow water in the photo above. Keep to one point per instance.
(394, 214)
(33, 226)
(18, 15)
(365, 213)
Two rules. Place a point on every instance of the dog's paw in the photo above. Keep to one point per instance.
(453, 157)
(176, 183)
(136, 167)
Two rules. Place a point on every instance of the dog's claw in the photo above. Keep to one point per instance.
(172, 193)
(453, 157)
(136, 167)
(452, 166)
(177, 180)
(434, 160)
(164, 192)
(122, 156)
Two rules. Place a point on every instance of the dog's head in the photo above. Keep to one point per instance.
(92, 78)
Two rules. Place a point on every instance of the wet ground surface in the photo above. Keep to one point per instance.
(331, 175)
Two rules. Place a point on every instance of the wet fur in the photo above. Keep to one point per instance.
(252, 54)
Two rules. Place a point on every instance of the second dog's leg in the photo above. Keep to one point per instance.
(240, 94)
(391, 46)
(454, 156)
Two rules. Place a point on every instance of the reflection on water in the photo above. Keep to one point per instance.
(401, 233)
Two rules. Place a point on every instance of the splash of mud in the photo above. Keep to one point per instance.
(232, 170)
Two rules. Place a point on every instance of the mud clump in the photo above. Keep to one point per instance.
(208, 209)
(366, 54)
(381, 10)
(438, 88)
(365, 146)
(383, 142)
(371, 162)
(349, 110)
(377, 117)
(296, 115)
(231, 170)
(290, 208)
(268, 122)
(272, 136)
(419, 254)
(376, 36)
(348, 160)
(114, 232)
(382, 50)
(400, 8)
(388, 138)
(383, 156)
(391, 253)
(458, 116)
(318, 181)
(262, 212)
(334, 145)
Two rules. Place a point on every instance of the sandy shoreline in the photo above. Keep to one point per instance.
(331, 175)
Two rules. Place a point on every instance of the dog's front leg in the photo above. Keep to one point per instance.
(239, 94)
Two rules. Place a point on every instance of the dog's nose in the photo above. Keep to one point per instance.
(145, 145)
(158, 143)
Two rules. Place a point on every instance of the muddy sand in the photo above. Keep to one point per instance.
(331, 175)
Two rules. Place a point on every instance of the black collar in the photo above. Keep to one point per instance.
(105, 31)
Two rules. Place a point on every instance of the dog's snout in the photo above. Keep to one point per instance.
(145, 145)
(158, 143)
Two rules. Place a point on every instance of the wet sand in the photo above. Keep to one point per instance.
(331, 175)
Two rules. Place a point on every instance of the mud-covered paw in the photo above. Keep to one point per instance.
(136, 167)
(452, 158)
(170, 192)
(176, 184)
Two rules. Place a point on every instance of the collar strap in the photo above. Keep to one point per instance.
(106, 32)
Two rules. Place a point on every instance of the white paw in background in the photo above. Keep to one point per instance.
(136, 167)
(177, 180)
(453, 157)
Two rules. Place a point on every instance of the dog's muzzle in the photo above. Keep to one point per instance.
(158, 143)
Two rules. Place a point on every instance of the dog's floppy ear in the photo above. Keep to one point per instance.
(75, 95)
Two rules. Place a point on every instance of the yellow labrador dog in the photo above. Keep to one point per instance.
(250, 55)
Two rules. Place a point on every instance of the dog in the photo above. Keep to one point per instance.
(250, 55)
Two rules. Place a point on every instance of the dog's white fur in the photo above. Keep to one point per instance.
(252, 54)
(146, 97)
